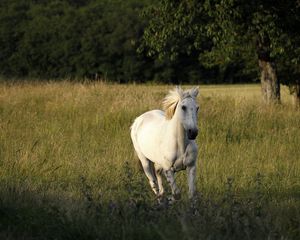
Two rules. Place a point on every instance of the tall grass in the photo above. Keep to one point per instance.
(68, 170)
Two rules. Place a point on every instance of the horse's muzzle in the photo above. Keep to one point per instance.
(192, 134)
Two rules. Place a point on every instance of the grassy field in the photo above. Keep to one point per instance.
(68, 170)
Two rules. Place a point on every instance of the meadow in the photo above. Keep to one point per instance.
(68, 169)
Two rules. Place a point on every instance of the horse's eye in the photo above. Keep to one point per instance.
(183, 108)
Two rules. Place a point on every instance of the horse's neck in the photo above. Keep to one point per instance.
(180, 135)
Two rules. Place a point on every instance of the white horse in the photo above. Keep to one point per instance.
(165, 141)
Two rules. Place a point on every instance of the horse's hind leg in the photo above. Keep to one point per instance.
(149, 171)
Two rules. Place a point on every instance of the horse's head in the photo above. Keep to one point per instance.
(183, 104)
(187, 112)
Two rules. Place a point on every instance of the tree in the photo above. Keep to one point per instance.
(289, 62)
(244, 27)
(13, 14)
(175, 28)
(73, 39)
(222, 32)
(41, 49)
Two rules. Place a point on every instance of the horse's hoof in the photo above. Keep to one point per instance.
(171, 200)
(195, 197)
(177, 196)
(161, 200)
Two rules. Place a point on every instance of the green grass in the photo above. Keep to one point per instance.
(68, 170)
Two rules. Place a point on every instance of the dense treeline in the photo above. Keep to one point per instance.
(184, 41)
(95, 39)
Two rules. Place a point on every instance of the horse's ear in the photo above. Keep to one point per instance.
(179, 91)
(194, 92)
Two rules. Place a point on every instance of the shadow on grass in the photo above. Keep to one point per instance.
(32, 215)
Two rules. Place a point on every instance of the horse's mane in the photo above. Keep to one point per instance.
(174, 97)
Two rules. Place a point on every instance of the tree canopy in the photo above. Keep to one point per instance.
(258, 36)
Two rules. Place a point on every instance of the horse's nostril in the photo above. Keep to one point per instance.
(192, 133)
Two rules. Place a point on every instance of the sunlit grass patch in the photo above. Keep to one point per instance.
(66, 161)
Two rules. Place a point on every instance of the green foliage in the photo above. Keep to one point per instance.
(70, 39)
(227, 33)
(137, 41)
(12, 16)
(99, 39)
(289, 61)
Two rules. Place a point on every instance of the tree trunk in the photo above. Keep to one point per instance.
(295, 91)
(270, 85)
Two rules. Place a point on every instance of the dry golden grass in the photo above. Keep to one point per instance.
(59, 139)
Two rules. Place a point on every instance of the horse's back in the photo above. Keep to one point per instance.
(152, 119)
(146, 131)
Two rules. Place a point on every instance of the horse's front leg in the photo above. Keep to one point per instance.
(191, 174)
(171, 180)
(190, 160)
